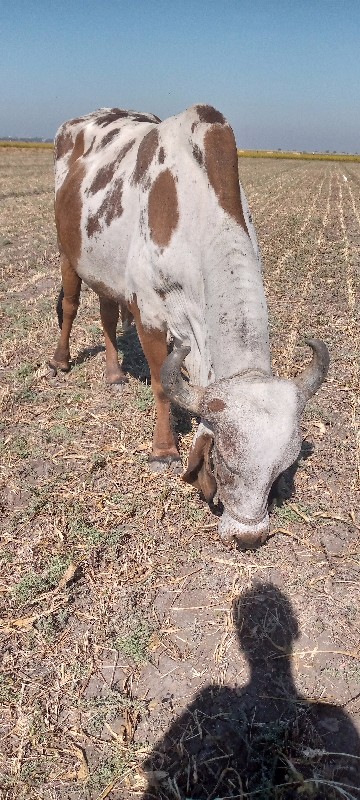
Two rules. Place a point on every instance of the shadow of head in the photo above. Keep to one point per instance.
(266, 625)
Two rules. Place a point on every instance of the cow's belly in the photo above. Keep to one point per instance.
(103, 259)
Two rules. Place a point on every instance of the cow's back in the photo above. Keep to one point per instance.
(145, 208)
(90, 133)
(94, 156)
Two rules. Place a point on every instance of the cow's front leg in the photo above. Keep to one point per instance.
(109, 312)
(153, 342)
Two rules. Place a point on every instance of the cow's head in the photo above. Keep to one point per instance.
(251, 434)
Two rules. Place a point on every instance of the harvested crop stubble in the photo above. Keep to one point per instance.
(120, 605)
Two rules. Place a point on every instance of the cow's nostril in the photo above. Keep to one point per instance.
(247, 536)
(251, 540)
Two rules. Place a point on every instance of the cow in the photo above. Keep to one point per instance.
(152, 216)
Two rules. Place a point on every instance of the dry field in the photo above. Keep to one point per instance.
(140, 658)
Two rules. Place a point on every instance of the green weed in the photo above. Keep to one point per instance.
(115, 537)
(32, 584)
(7, 693)
(29, 587)
(98, 461)
(128, 505)
(144, 398)
(315, 411)
(24, 371)
(95, 330)
(50, 627)
(20, 446)
(56, 569)
(27, 396)
(106, 772)
(58, 433)
(19, 321)
(101, 709)
(81, 530)
(6, 557)
(135, 644)
(285, 514)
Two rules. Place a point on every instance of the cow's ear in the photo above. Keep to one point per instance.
(199, 470)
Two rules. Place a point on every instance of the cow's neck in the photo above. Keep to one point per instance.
(236, 312)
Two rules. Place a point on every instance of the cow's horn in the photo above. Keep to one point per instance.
(176, 389)
(311, 378)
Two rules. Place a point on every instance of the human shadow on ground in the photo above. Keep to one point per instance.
(263, 740)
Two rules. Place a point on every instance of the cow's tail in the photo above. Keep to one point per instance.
(59, 308)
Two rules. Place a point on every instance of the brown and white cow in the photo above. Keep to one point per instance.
(151, 215)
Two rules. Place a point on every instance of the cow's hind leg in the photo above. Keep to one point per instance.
(67, 306)
(153, 342)
(109, 312)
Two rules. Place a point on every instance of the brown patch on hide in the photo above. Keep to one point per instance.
(125, 149)
(90, 148)
(198, 154)
(108, 138)
(139, 117)
(210, 115)
(216, 405)
(68, 208)
(78, 149)
(111, 116)
(221, 163)
(114, 202)
(106, 173)
(63, 143)
(145, 155)
(93, 225)
(161, 156)
(102, 178)
(102, 290)
(163, 208)
(199, 472)
(110, 208)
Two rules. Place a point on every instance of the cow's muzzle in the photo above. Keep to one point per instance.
(248, 535)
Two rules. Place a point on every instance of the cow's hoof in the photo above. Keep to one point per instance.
(55, 370)
(176, 467)
(162, 463)
(118, 385)
(56, 366)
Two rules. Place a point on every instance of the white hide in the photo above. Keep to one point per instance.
(204, 288)
(257, 435)
(218, 303)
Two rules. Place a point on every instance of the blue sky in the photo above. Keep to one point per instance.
(286, 73)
